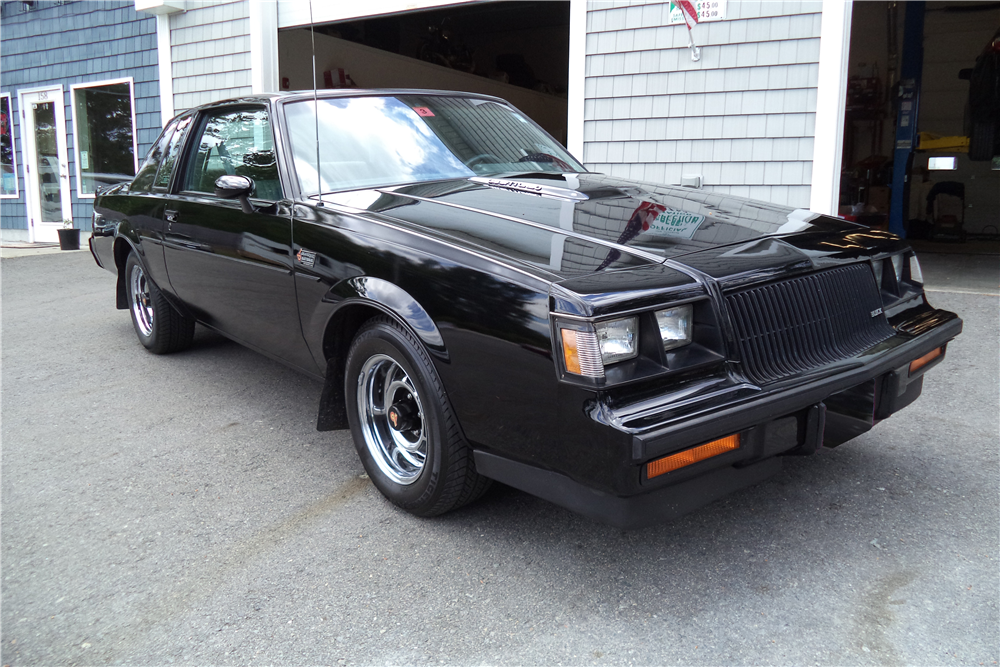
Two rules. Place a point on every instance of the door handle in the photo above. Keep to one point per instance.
(171, 216)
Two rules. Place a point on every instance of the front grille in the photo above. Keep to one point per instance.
(796, 325)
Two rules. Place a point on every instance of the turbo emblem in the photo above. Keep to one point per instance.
(306, 257)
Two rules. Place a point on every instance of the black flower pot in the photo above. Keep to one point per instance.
(69, 239)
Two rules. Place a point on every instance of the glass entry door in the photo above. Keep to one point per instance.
(46, 172)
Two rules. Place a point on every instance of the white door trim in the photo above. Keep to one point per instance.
(39, 231)
(831, 101)
(296, 13)
(264, 46)
(165, 68)
(577, 77)
(76, 130)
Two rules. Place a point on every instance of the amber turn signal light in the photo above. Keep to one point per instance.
(570, 355)
(693, 455)
(917, 364)
(582, 353)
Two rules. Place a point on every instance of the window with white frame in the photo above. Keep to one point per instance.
(8, 157)
(104, 125)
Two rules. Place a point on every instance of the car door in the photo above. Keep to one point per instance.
(146, 203)
(234, 269)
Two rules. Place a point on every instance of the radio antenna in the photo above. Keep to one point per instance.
(312, 37)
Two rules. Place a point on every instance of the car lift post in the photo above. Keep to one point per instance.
(908, 99)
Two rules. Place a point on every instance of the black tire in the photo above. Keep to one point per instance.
(160, 328)
(424, 466)
(981, 141)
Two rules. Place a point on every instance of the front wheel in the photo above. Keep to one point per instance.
(160, 328)
(402, 424)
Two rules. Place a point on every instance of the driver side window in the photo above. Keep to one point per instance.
(234, 142)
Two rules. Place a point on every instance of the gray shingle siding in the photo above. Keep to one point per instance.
(210, 52)
(743, 116)
(70, 43)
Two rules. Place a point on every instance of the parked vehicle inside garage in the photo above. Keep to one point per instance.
(983, 114)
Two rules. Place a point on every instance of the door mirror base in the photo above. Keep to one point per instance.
(231, 186)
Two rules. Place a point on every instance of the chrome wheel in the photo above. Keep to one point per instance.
(142, 306)
(392, 419)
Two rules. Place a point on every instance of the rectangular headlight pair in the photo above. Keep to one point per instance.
(587, 353)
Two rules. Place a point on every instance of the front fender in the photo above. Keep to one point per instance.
(394, 301)
(356, 300)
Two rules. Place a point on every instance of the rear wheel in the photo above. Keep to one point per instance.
(160, 328)
(402, 424)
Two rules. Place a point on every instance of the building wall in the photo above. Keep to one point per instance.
(210, 52)
(69, 43)
(743, 117)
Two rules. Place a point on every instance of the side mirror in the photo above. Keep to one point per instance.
(231, 186)
(965, 74)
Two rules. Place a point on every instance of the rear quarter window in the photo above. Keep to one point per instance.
(169, 158)
(144, 178)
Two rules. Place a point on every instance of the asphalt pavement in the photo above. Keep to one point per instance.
(183, 510)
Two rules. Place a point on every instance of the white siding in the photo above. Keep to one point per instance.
(210, 52)
(743, 116)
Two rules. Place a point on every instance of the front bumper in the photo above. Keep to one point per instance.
(828, 408)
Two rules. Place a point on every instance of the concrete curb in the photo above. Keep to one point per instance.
(15, 249)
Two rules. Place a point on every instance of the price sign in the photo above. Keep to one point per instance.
(708, 10)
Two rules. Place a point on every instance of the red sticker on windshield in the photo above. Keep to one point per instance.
(423, 111)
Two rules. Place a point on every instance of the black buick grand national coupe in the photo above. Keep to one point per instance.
(480, 307)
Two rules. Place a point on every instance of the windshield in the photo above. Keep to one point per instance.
(372, 141)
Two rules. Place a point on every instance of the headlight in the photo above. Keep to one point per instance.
(675, 326)
(617, 339)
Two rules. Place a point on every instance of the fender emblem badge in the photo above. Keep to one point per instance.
(306, 257)
(876, 312)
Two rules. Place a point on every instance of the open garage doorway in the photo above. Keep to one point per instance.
(948, 197)
(515, 50)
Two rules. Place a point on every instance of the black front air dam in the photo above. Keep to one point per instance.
(629, 512)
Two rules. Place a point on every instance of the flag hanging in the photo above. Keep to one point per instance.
(690, 19)
(688, 11)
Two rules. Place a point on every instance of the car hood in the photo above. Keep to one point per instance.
(573, 227)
